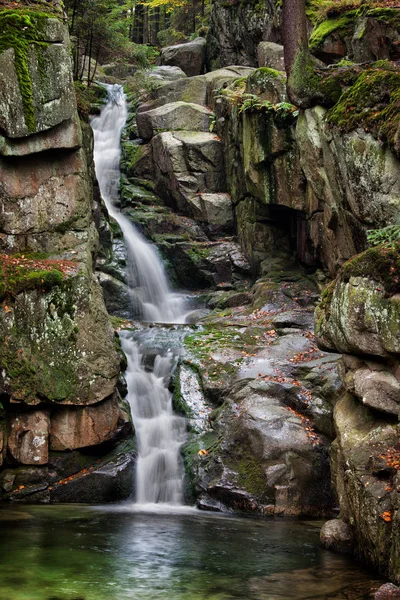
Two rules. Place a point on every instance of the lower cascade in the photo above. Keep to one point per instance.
(159, 432)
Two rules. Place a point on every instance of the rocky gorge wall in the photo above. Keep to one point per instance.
(62, 421)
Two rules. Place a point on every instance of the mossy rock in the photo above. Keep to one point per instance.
(372, 102)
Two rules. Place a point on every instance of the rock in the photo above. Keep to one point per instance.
(65, 136)
(190, 57)
(28, 187)
(116, 296)
(271, 55)
(370, 37)
(213, 209)
(28, 438)
(187, 162)
(174, 116)
(236, 29)
(71, 356)
(187, 89)
(196, 90)
(388, 591)
(342, 212)
(166, 73)
(110, 482)
(360, 320)
(379, 390)
(53, 96)
(81, 427)
(336, 535)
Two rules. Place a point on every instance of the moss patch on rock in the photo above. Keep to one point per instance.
(21, 29)
(19, 274)
(373, 102)
(381, 264)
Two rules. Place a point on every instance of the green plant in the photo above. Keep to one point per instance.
(386, 235)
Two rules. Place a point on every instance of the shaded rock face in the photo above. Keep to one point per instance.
(190, 57)
(59, 362)
(358, 315)
(352, 185)
(236, 30)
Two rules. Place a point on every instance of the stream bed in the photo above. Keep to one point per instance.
(118, 553)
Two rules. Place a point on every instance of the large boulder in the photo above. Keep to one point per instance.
(372, 36)
(187, 162)
(213, 210)
(190, 57)
(271, 55)
(196, 90)
(336, 535)
(174, 116)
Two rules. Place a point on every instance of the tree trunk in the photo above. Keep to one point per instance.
(145, 25)
(295, 36)
(304, 86)
(194, 14)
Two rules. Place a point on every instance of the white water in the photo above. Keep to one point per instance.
(152, 299)
(159, 433)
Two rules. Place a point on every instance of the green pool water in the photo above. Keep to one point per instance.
(117, 553)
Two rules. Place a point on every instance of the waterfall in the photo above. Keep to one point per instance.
(159, 433)
(152, 299)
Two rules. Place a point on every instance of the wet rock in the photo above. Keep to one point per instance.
(190, 57)
(28, 438)
(110, 482)
(174, 116)
(336, 535)
(388, 591)
(271, 55)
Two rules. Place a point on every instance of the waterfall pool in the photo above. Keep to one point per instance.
(118, 553)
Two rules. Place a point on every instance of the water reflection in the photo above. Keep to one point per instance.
(71, 553)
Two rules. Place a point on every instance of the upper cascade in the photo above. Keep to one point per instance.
(152, 298)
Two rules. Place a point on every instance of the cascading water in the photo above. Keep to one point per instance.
(152, 299)
(159, 433)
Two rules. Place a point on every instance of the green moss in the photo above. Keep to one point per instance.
(373, 102)
(382, 264)
(22, 29)
(251, 475)
(16, 279)
(342, 24)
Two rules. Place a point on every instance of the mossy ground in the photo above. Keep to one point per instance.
(20, 29)
(19, 273)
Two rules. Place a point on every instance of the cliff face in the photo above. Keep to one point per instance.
(61, 414)
(360, 316)
(237, 28)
